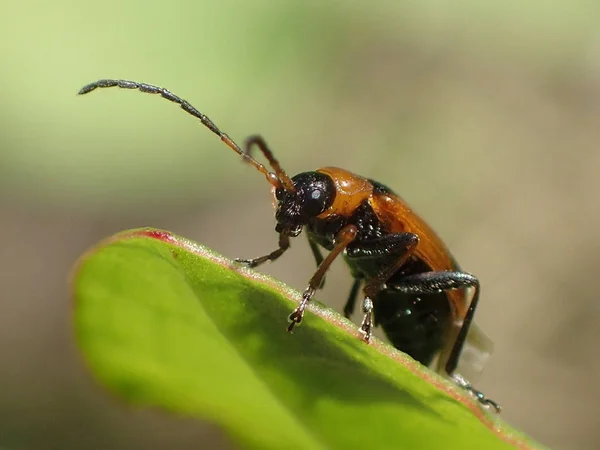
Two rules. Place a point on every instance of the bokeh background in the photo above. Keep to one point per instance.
(483, 115)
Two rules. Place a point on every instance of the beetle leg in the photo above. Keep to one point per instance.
(260, 142)
(367, 323)
(401, 245)
(434, 282)
(351, 302)
(480, 396)
(342, 239)
(284, 244)
(316, 251)
(398, 244)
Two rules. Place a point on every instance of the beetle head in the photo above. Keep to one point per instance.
(313, 193)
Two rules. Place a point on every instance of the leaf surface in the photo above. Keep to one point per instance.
(164, 322)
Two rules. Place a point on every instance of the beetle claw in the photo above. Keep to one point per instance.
(480, 396)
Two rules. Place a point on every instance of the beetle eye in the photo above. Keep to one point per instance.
(315, 202)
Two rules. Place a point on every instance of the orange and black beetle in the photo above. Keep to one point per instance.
(413, 287)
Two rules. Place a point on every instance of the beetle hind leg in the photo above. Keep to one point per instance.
(480, 396)
(432, 282)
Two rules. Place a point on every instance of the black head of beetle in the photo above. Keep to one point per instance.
(313, 193)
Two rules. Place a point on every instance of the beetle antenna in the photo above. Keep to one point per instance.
(277, 179)
(259, 142)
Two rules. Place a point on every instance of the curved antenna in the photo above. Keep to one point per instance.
(278, 179)
(259, 142)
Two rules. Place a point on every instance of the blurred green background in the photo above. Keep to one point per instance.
(484, 116)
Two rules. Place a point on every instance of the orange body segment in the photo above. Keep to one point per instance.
(351, 190)
(398, 217)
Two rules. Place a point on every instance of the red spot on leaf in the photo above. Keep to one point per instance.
(157, 234)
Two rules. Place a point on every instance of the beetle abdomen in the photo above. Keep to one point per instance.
(414, 325)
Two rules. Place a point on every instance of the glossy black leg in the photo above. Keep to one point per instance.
(435, 282)
(351, 302)
(316, 251)
(399, 245)
(314, 248)
(284, 244)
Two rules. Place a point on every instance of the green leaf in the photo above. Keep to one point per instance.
(164, 322)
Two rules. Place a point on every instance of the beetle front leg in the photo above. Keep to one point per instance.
(342, 239)
(284, 244)
(314, 248)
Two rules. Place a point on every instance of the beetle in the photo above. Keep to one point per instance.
(412, 286)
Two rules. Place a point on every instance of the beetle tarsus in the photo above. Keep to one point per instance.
(247, 262)
(298, 314)
(480, 396)
(367, 323)
(296, 318)
(284, 244)
(365, 330)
